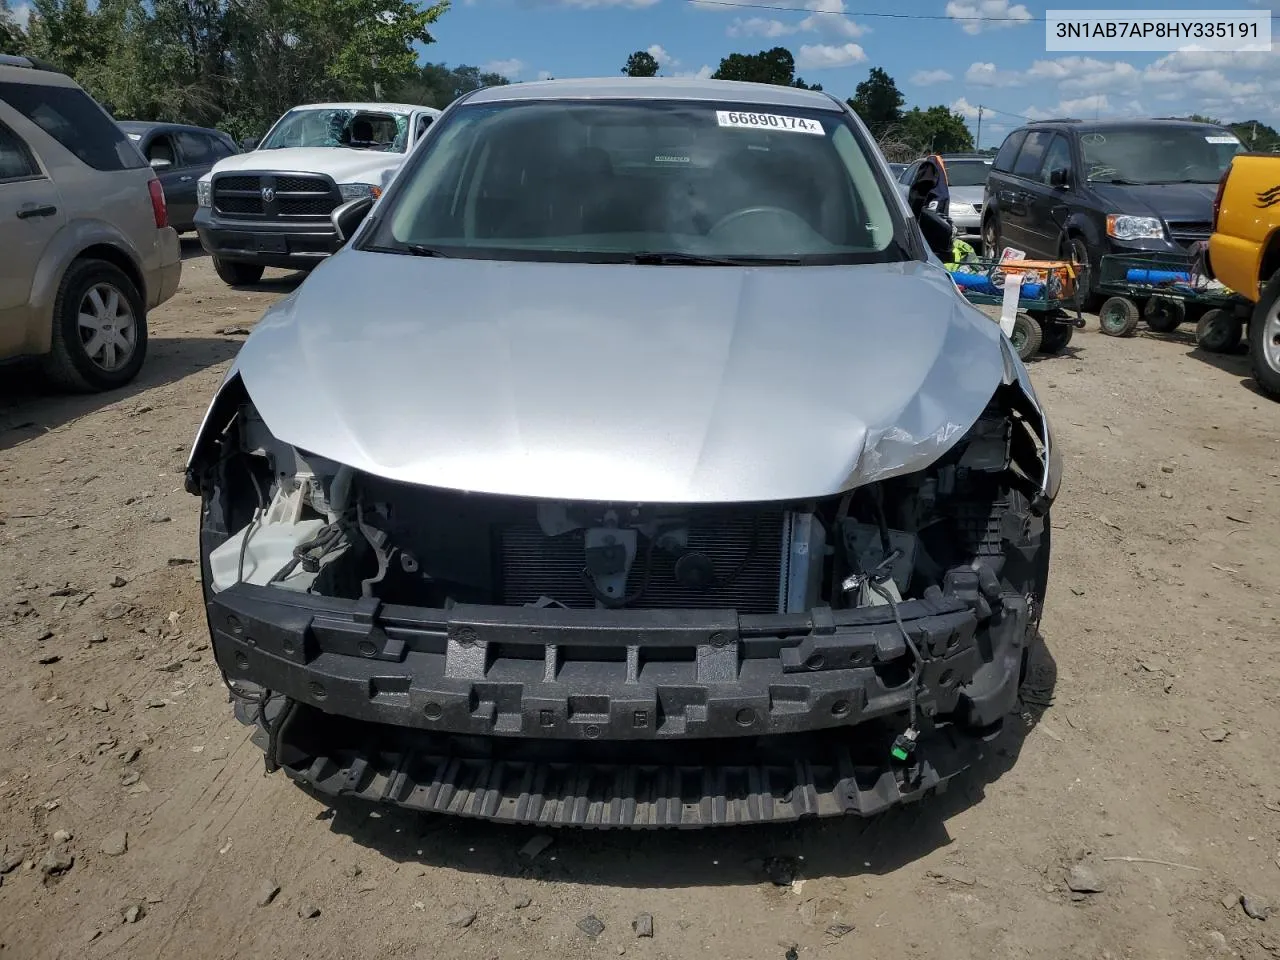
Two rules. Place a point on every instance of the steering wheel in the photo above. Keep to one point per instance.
(760, 211)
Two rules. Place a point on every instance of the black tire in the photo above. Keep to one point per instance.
(1118, 317)
(1055, 337)
(238, 274)
(991, 238)
(1219, 332)
(69, 363)
(1164, 315)
(1026, 336)
(1264, 339)
(1077, 251)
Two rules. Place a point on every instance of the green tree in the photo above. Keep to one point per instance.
(877, 101)
(437, 85)
(776, 66)
(1256, 135)
(12, 38)
(642, 63)
(936, 129)
(237, 64)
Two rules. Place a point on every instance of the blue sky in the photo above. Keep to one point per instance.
(1001, 64)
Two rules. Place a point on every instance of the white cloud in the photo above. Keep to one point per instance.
(760, 27)
(505, 68)
(988, 75)
(925, 78)
(702, 73)
(965, 109)
(827, 17)
(822, 56)
(659, 54)
(1082, 107)
(544, 74)
(1000, 13)
(21, 15)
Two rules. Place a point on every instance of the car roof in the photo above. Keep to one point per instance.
(371, 107)
(1118, 124)
(24, 70)
(657, 88)
(146, 126)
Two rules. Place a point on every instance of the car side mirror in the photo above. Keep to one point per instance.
(1060, 178)
(347, 217)
(938, 233)
(160, 163)
(249, 143)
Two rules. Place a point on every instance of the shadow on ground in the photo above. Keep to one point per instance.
(727, 856)
(1237, 364)
(191, 248)
(29, 406)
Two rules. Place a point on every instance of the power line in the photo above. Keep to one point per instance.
(869, 14)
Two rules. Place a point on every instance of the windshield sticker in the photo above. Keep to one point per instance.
(668, 158)
(135, 136)
(1222, 139)
(768, 121)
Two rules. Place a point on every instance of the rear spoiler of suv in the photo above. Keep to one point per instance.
(34, 63)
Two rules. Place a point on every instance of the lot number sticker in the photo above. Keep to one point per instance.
(1222, 139)
(767, 121)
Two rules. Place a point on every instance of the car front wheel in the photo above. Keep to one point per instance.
(990, 239)
(99, 329)
(238, 274)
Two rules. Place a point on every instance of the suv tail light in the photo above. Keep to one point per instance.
(158, 206)
(1217, 197)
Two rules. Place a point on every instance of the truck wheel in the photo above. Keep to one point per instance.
(1164, 315)
(1055, 337)
(1218, 332)
(238, 274)
(99, 329)
(1264, 339)
(1118, 317)
(1026, 336)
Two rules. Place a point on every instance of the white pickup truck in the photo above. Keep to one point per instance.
(270, 206)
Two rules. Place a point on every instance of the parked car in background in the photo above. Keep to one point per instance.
(1069, 188)
(270, 207)
(516, 509)
(84, 233)
(898, 169)
(1244, 254)
(180, 155)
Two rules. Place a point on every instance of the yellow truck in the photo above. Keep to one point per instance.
(1244, 254)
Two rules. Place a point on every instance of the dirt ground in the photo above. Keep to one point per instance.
(1148, 727)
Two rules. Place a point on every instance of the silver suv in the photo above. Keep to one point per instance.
(84, 230)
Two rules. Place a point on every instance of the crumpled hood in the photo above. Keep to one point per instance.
(342, 163)
(620, 382)
(1185, 202)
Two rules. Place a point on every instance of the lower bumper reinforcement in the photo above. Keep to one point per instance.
(790, 779)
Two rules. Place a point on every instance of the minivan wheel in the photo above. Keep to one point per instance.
(990, 239)
(238, 274)
(99, 329)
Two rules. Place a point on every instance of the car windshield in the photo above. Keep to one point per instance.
(967, 173)
(339, 127)
(1158, 154)
(642, 181)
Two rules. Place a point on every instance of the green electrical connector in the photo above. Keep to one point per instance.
(904, 745)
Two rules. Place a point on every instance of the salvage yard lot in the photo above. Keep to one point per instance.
(1147, 731)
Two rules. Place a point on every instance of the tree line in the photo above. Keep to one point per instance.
(903, 135)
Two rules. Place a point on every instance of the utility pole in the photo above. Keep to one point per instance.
(977, 141)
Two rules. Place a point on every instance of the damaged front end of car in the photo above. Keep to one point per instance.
(625, 664)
